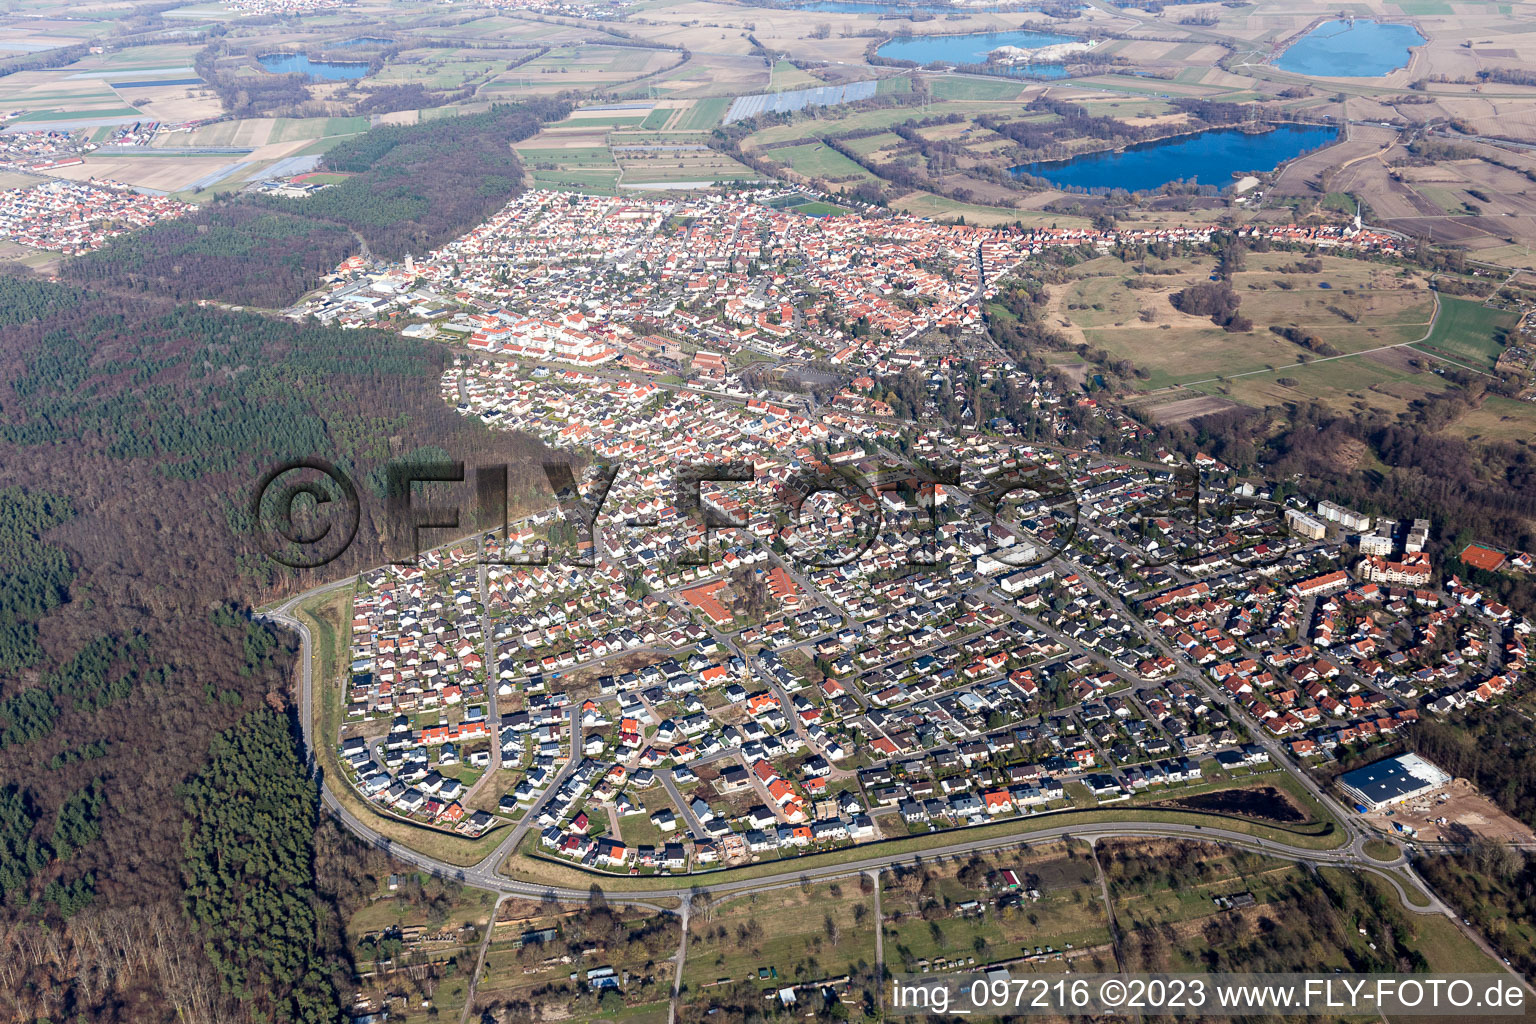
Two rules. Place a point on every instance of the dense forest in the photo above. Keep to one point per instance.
(411, 188)
(247, 851)
(1495, 749)
(417, 186)
(38, 576)
(132, 432)
(232, 250)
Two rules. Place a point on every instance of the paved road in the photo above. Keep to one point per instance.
(690, 820)
(485, 875)
(879, 941)
(679, 958)
(492, 683)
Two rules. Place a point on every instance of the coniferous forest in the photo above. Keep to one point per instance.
(153, 789)
(412, 187)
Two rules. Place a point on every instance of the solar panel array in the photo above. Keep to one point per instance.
(797, 99)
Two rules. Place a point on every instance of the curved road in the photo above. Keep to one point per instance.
(485, 875)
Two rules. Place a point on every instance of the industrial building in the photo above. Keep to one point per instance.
(1392, 781)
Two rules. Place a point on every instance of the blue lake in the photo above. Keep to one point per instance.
(360, 41)
(1345, 49)
(973, 49)
(1209, 157)
(289, 63)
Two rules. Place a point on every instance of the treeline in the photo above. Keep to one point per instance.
(417, 186)
(42, 60)
(1214, 299)
(1429, 151)
(413, 187)
(1069, 122)
(1306, 339)
(1507, 76)
(233, 250)
(132, 432)
(246, 854)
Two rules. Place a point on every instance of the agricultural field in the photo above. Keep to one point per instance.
(797, 934)
(975, 89)
(961, 909)
(687, 165)
(584, 67)
(715, 75)
(1348, 305)
(786, 75)
(704, 114)
(1469, 333)
(575, 159)
(500, 29)
(451, 69)
(52, 96)
(818, 160)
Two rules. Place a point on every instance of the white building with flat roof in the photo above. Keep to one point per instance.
(1392, 781)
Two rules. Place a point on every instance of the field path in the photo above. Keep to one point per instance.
(485, 945)
(1428, 330)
